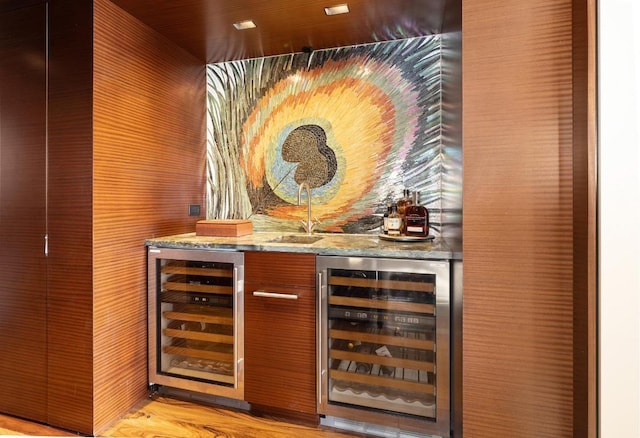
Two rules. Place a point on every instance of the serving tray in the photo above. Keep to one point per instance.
(406, 238)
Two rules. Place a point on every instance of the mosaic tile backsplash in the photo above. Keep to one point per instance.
(358, 124)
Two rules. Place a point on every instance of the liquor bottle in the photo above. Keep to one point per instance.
(416, 218)
(394, 222)
(403, 203)
(385, 220)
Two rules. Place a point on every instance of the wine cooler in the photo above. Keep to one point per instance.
(384, 342)
(195, 320)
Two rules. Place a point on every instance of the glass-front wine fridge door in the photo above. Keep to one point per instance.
(387, 336)
(196, 333)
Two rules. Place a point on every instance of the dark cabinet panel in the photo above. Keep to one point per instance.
(23, 287)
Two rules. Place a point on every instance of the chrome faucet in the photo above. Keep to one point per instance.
(308, 225)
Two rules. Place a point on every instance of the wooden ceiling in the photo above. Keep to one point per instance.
(205, 27)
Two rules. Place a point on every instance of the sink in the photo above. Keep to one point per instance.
(296, 239)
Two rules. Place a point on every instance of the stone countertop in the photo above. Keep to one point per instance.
(357, 245)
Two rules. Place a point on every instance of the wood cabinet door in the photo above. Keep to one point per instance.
(280, 333)
(23, 286)
(525, 332)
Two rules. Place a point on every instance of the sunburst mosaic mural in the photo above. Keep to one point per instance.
(358, 124)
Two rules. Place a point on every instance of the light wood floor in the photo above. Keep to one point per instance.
(14, 426)
(168, 417)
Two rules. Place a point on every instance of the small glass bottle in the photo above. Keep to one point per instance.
(385, 220)
(394, 222)
(416, 218)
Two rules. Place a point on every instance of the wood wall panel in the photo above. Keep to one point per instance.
(149, 165)
(518, 218)
(23, 94)
(69, 215)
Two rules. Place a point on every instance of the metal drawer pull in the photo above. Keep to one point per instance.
(261, 293)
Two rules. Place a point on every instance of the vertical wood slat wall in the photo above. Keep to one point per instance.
(148, 166)
(519, 249)
(126, 141)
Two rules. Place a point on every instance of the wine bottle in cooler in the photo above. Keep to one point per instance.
(359, 347)
(385, 350)
(363, 367)
(386, 370)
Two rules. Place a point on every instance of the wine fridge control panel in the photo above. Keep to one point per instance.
(384, 339)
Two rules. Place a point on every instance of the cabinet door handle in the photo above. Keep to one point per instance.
(236, 323)
(320, 352)
(261, 293)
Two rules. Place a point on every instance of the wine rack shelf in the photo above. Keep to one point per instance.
(368, 303)
(378, 284)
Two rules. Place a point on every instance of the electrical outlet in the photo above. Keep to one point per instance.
(194, 210)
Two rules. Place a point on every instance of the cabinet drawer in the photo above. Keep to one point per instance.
(280, 331)
(291, 269)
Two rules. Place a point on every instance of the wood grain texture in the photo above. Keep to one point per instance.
(23, 293)
(205, 27)
(16, 426)
(518, 219)
(170, 417)
(584, 213)
(280, 369)
(148, 166)
(69, 306)
(280, 365)
(277, 268)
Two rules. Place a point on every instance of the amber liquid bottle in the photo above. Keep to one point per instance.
(416, 218)
(394, 222)
(403, 203)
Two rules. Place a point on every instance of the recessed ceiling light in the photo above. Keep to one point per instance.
(337, 9)
(246, 24)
